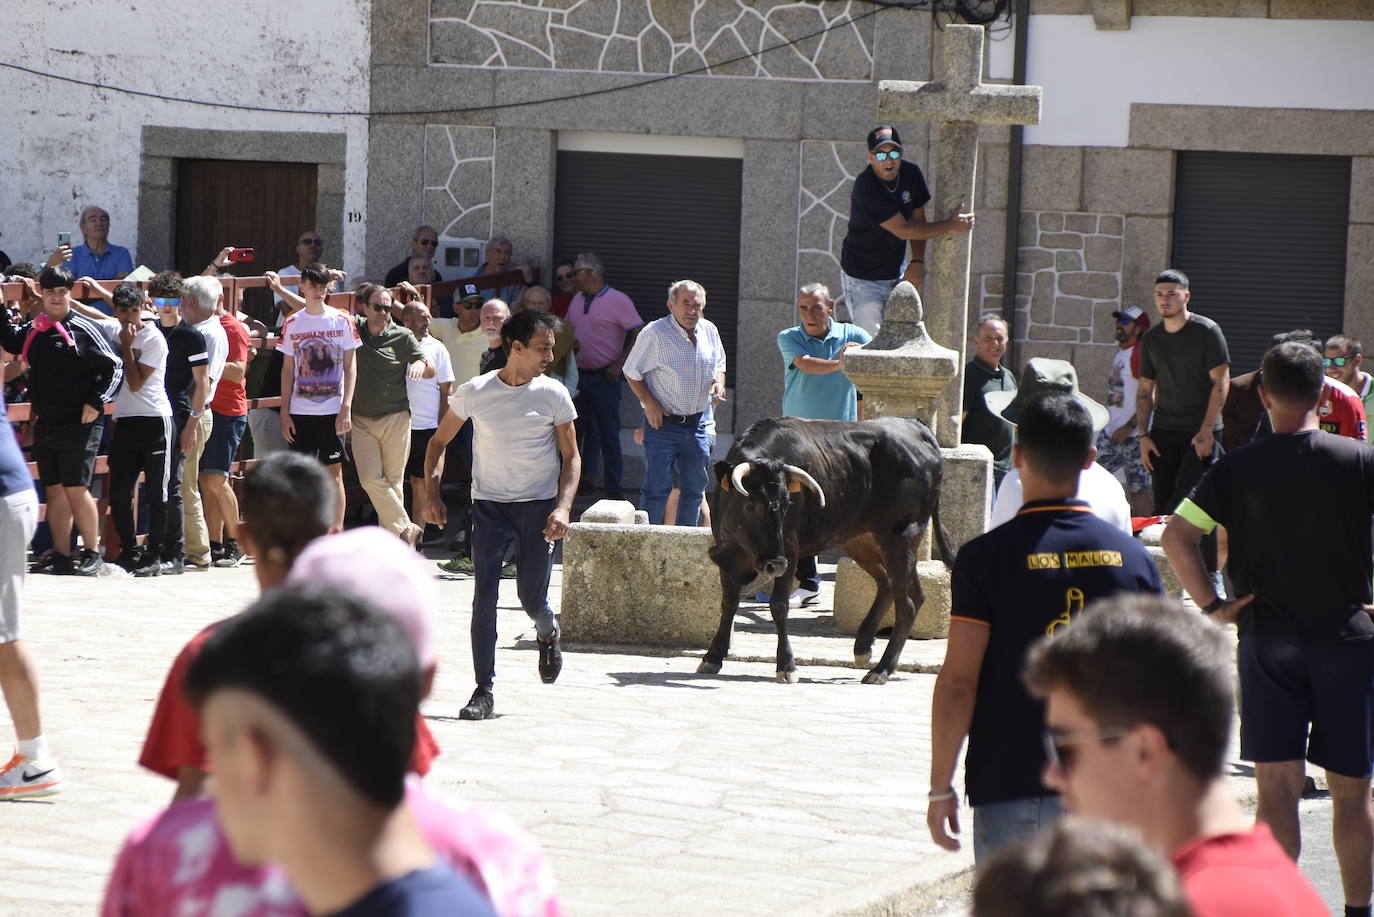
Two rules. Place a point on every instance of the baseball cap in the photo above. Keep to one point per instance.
(882, 135)
(1133, 314)
(470, 291)
(1042, 374)
(374, 565)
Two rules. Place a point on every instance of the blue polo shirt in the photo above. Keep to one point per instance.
(86, 263)
(1027, 579)
(824, 397)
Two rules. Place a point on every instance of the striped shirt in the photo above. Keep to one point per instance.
(677, 372)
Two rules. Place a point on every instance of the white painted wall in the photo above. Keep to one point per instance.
(1092, 77)
(77, 146)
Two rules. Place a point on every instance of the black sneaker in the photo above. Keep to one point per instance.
(480, 706)
(230, 554)
(62, 565)
(147, 564)
(86, 562)
(45, 562)
(127, 560)
(550, 659)
(172, 566)
(216, 553)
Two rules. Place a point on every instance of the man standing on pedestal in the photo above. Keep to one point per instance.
(815, 387)
(886, 209)
(677, 370)
(983, 374)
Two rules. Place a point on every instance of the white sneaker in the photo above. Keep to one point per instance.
(803, 597)
(25, 778)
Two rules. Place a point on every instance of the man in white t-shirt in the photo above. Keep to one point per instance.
(198, 309)
(317, 376)
(1118, 445)
(522, 422)
(142, 431)
(428, 398)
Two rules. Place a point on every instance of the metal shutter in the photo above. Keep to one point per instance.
(654, 220)
(1263, 239)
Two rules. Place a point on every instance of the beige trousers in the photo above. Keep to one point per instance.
(381, 446)
(192, 512)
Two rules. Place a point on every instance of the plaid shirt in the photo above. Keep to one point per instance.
(678, 373)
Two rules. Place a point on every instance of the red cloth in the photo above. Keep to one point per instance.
(230, 399)
(559, 304)
(1341, 411)
(1245, 874)
(173, 738)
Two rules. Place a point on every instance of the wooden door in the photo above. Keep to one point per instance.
(259, 205)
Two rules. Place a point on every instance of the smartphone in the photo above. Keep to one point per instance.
(240, 254)
(64, 238)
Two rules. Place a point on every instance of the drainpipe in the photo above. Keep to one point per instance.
(1015, 156)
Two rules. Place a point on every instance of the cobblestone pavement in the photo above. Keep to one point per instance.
(653, 789)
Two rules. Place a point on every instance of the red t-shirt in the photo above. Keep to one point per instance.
(1341, 411)
(230, 399)
(559, 304)
(173, 738)
(1245, 874)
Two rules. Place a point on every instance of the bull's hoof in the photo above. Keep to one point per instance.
(875, 678)
(862, 660)
(708, 667)
(787, 678)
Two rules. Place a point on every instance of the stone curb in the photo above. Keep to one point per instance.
(910, 892)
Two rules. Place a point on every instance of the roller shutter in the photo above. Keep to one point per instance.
(1263, 239)
(653, 220)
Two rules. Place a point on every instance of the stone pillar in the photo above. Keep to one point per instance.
(956, 164)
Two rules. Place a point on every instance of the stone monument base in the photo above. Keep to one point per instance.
(854, 591)
(635, 584)
(1150, 538)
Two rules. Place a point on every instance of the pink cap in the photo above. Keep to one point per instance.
(375, 565)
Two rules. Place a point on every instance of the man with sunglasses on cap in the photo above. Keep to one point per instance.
(1028, 579)
(1118, 445)
(886, 211)
(423, 244)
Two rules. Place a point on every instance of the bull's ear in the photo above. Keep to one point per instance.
(722, 473)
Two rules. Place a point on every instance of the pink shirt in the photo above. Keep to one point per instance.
(178, 864)
(600, 327)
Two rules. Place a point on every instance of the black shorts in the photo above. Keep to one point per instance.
(315, 436)
(1284, 688)
(419, 442)
(65, 452)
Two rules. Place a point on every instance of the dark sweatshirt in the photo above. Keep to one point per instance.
(63, 377)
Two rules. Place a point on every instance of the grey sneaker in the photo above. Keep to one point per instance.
(480, 706)
(230, 555)
(86, 562)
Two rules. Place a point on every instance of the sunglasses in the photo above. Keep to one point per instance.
(428, 243)
(471, 305)
(562, 276)
(894, 155)
(1335, 361)
(163, 303)
(1060, 751)
(1124, 321)
(311, 242)
(380, 306)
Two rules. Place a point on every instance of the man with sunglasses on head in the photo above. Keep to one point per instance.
(1139, 702)
(1026, 579)
(423, 244)
(886, 213)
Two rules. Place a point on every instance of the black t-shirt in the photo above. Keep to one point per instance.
(871, 252)
(402, 272)
(185, 349)
(1025, 579)
(433, 892)
(492, 358)
(981, 425)
(1180, 363)
(1297, 509)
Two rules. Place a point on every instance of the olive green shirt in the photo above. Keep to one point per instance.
(382, 360)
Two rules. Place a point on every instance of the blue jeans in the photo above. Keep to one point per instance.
(686, 450)
(999, 824)
(495, 526)
(598, 423)
(866, 299)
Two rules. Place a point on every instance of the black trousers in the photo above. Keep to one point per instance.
(1177, 469)
(139, 445)
(173, 540)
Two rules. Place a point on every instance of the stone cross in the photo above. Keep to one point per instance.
(958, 101)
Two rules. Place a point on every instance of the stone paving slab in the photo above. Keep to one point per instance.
(653, 789)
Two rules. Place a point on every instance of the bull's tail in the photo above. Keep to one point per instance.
(941, 536)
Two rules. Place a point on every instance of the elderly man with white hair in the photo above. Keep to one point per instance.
(677, 370)
(198, 310)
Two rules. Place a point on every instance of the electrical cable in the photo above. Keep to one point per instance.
(970, 10)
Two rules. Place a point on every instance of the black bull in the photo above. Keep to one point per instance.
(792, 488)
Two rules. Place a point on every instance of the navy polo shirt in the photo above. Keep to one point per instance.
(819, 397)
(1024, 580)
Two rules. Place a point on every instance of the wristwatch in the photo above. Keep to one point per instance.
(195, 413)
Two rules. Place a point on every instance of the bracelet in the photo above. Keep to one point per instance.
(1215, 604)
(916, 261)
(941, 797)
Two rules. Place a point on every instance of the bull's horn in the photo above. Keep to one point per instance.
(805, 479)
(737, 476)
